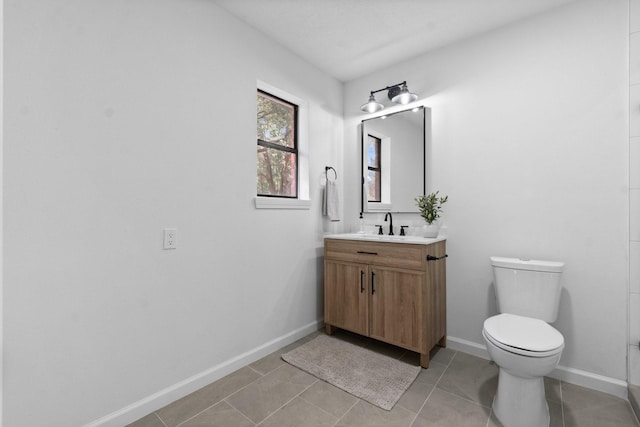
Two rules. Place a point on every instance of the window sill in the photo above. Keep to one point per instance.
(378, 207)
(281, 203)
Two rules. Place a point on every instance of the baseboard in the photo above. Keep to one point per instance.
(468, 347)
(571, 375)
(592, 381)
(170, 394)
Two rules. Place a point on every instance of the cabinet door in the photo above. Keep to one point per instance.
(345, 296)
(398, 307)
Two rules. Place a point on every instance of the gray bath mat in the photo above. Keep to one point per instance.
(376, 378)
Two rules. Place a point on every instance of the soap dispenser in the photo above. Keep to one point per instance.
(361, 227)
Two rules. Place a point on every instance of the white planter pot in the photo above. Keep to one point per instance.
(431, 230)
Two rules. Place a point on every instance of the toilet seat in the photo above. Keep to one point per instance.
(522, 335)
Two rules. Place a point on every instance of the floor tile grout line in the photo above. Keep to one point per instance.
(635, 417)
(464, 398)
(313, 404)
(287, 402)
(455, 353)
(161, 420)
(240, 412)
(447, 366)
(348, 410)
(260, 373)
(431, 392)
(199, 413)
(468, 400)
(422, 406)
(224, 399)
(489, 419)
(561, 402)
(461, 397)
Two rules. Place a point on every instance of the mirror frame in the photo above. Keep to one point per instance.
(424, 154)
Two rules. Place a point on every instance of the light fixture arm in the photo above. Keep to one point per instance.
(389, 87)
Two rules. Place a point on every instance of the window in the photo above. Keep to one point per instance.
(277, 166)
(374, 169)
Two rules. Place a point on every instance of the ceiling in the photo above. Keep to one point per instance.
(351, 38)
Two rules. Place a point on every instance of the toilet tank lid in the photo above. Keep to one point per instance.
(527, 264)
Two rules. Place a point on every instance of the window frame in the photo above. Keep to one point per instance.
(385, 204)
(303, 201)
(293, 150)
(378, 143)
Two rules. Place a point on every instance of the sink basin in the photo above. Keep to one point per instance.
(386, 238)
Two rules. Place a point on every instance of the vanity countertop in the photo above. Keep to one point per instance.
(416, 240)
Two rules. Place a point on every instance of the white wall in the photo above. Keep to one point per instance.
(121, 118)
(634, 192)
(530, 142)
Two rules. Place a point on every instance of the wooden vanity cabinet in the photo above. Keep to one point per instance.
(387, 291)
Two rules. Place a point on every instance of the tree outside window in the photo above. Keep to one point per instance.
(277, 167)
(374, 169)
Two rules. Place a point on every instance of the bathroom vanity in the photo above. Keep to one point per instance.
(390, 288)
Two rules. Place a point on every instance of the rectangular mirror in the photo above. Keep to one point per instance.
(394, 161)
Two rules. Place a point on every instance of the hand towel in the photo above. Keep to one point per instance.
(331, 201)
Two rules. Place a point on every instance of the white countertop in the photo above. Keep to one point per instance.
(416, 240)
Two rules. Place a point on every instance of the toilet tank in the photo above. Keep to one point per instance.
(528, 287)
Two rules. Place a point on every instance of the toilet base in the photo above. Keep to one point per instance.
(520, 401)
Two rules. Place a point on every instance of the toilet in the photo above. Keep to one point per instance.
(520, 339)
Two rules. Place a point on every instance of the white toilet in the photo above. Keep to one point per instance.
(521, 341)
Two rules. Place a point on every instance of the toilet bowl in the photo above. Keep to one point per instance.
(525, 349)
(520, 340)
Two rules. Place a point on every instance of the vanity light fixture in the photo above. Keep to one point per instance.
(398, 93)
(372, 105)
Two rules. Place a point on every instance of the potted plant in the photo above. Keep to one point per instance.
(430, 206)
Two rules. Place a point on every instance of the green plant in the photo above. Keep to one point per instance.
(430, 206)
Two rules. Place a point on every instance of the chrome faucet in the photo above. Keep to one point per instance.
(388, 214)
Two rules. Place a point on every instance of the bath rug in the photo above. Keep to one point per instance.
(378, 379)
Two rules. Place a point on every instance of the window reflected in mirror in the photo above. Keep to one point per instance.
(374, 169)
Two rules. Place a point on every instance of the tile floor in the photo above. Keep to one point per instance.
(456, 390)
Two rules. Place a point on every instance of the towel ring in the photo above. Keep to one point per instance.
(326, 172)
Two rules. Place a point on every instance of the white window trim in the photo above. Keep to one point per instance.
(302, 202)
(385, 186)
(379, 207)
(281, 203)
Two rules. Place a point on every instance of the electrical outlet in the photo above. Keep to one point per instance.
(169, 235)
